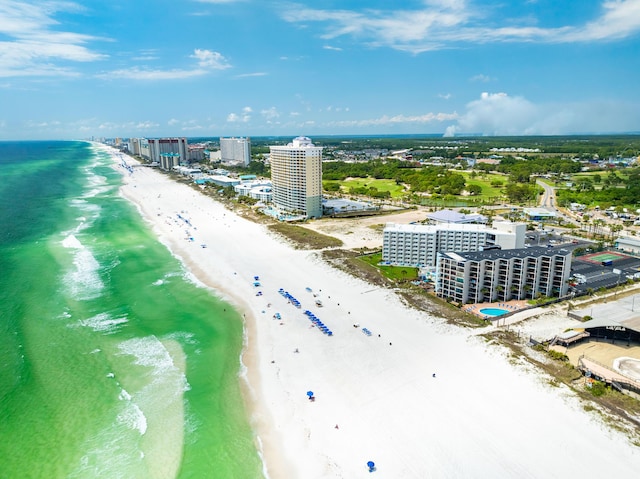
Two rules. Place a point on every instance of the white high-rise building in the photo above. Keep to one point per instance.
(296, 175)
(235, 150)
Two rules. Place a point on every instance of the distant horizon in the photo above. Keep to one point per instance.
(438, 136)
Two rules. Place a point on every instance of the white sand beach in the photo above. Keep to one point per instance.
(482, 415)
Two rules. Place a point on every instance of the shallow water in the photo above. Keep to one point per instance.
(112, 363)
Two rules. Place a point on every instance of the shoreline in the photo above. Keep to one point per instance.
(466, 422)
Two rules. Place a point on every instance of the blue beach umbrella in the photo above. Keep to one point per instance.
(371, 465)
(310, 393)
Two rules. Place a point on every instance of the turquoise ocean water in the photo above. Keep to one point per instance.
(112, 363)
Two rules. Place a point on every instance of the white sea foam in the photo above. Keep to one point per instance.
(158, 283)
(84, 282)
(72, 242)
(85, 206)
(133, 417)
(151, 353)
(183, 337)
(103, 322)
(97, 183)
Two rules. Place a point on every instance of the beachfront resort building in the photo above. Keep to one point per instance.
(296, 176)
(418, 244)
(496, 275)
(175, 150)
(235, 150)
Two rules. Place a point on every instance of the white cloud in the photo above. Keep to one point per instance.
(480, 78)
(145, 125)
(209, 59)
(130, 126)
(173, 122)
(207, 62)
(329, 47)
(136, 73)
(398, 119)
(501, 114)
(270, 113)
(33, 48)
(247, 75)
(442, 24)
(621, 18)
(444, 96)
(244, 117)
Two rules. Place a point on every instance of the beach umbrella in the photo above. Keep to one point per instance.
(371, 465)
(310, 393)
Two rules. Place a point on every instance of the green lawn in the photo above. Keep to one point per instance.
(394, 273)
(484, 182)
(395, 190)
(624, 176)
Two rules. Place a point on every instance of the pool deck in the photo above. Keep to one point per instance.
(509, 306)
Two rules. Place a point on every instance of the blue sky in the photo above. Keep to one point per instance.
(258, 67)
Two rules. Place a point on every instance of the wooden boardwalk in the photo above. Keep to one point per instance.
(603, 373)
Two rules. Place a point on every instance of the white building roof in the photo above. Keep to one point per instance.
(451, 216)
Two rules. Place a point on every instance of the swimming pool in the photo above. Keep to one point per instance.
(493, 311)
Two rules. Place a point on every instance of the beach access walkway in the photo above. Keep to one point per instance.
(595, 370)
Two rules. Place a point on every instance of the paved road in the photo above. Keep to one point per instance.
(548, 199)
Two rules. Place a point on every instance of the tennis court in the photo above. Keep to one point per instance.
(604, 256)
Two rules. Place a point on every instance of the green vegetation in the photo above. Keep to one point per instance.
(304, 238)
(522, 159)
(394, 273)
(598, 388)
(553, 354)
(612, 190)
(421, 179)
(491, 184)
(373, 187)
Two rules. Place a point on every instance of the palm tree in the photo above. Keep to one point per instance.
(514, 291)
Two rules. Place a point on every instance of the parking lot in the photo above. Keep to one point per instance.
(599, 276)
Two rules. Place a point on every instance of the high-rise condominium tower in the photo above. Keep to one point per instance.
(296, 175)
(235, 150)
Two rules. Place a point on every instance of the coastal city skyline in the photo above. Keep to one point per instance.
(205, 68)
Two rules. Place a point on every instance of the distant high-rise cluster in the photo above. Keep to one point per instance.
(235, 150)
(296, 175)
(166, 152)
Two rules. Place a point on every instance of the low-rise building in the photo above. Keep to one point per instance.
(539, 214)
(628, 244)
(260, 190)
(452, 216)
